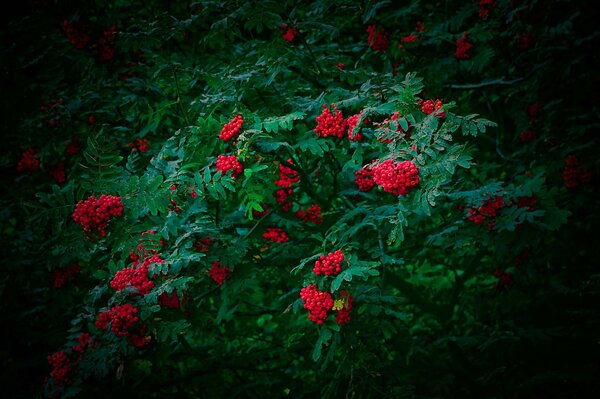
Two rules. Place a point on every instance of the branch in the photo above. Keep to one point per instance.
(486, 83)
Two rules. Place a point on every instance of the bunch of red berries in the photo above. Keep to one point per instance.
(58, 172)
(281, 197)
(364, 178)
(462, 47)
(139, 144)
(73, 148)
(505, 280)
(84, 340)
(385, 128)
(312, 215)
(62, 276)
(377, 39)
(258, 214)
(94, 214)
(487, 212)
(28, 162)
(352, 122)
(431, 106)
(288, 33)
(317, 302)
(231, 130)
(61, 367)
(345, 304)
(135, 277)
(484, 8)
(527, 202)
(121, 318)
(329, 124)
(287, 175)
(276, 234)
(203, 244)
(229, 162)
(169, 301)
(398, 178)
(527, 135)
(329, 265)
(219, 273)
(574, 174)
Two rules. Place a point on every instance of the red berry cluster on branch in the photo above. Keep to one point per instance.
(219, 273)
(462, 47)
(29, 161)
(352, 122)
(122, 318)
(364, 178)
(430, 106)
(527, 135)
(231, 130)
(135, 277)
(330, 265)
(377, 39)
(84, 340)
(258, 214)
(276, 234)
(287, 175)
(484, 8)
(398, 178)
(139, 144)
(312, 215)
(526, 202)
(94, 214)
(487, 212)
(288, 33)
(574, 174)
(58, 172)
(343, 312)
(62, 276)
(73, 148)
(169, 301)
(331, 124)
(229, 162)
(317, 302)
(61, 367)
(505, 280)
(203, 244)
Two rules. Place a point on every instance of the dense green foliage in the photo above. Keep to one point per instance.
(478, 282)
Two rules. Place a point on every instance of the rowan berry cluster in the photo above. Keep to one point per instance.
(331, 124)
(62, 276)
(84, 340)
(276, 234)
(343, 306)
(505, 280)
(169, 301)
(414, 36)
(398, 178)
(104, 46)
(231, 130)
(487, 212)
(58, 172)
(282, 195)
(29, 161)
(527, 135)
(364, 178)
(462, 47)
(219, 273)
(258, 214)
(203, 244)
(352, 122)
(288, 33)
(430, 106)
(484, 8)
(574, 174)
(94, 214)
(122, 318)
(318, 303)
(135, 277)
(139, 144)
(385, 125)
(377, 39)
(330, 265)
(229, 162)
(287, 175)
(312, 215)
(61, 367)
(526, 202)
(73, 148)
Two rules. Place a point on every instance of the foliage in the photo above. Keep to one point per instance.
(472, 278)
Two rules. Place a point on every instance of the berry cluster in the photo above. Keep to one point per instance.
(203, 244)
(377, 40)
(28, 162)
(169, 301)
(231, 130)
(414, 36)
(229, 162)
(317, 302)
(574, 174)
(139, 144)
(364, 178)
(121, 318)
(135, 277)
(219, 273)
(385, 128)
(287, 175)
(329, 265)
(329, 124)
(105, 45)
(343, 306)
(527, 135)
(504, 280)
(73, 148)
(312, 215)
(487, 212)
(258, 214)
(431, 106)
(61, 367)
(288, 33)
(352, 122)
(58, 172)
(282, 195)
(276, 234)
(84, 340)
(62, 276)
(527, 202)
(94, 214)
(462, 47)
(398, 178)
(484, 8)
